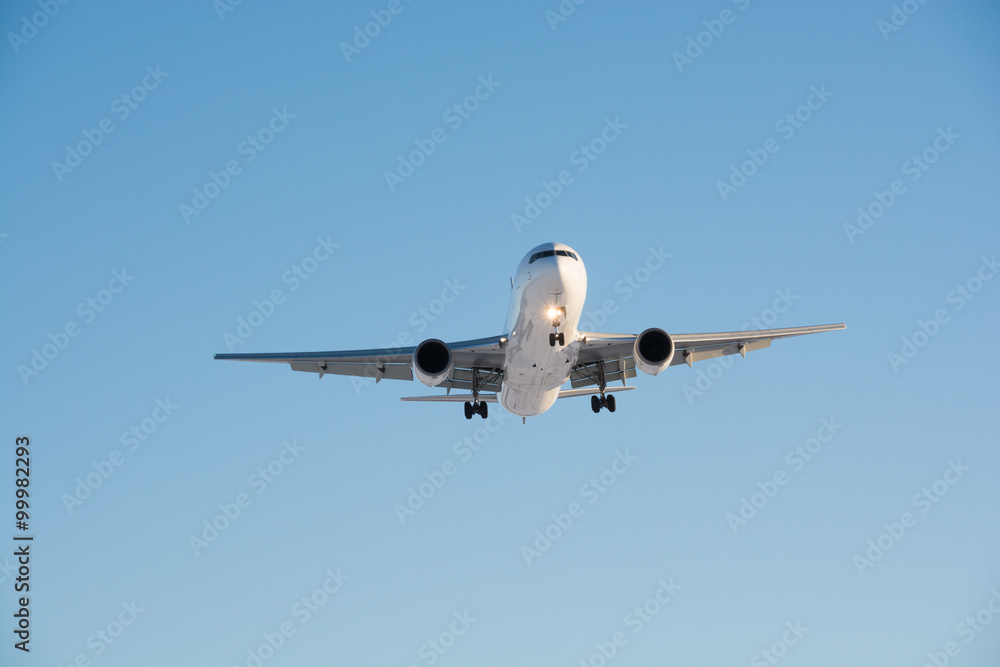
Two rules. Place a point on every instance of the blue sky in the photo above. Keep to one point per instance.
(182, 166)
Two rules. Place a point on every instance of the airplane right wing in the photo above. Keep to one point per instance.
(392, 364)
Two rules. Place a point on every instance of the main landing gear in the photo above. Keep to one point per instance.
(600, 379)
(477, 408)
(602, 401)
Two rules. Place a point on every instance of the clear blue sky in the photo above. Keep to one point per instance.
(250, 140)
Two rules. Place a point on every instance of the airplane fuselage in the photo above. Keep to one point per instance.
(547, 297)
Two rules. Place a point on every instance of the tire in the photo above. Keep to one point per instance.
(468, 410)
(595, 403)
(484, 412)
(611, 402)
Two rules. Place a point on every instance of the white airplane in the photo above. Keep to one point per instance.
(525, 368)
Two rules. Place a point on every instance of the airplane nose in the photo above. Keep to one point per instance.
(556, 273)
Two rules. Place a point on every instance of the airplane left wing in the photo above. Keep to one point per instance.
(392, 364)
(615, 351)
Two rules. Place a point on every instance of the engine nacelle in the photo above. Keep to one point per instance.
(432, 362)
(653, 351)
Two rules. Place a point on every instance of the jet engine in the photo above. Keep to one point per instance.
(654, 349)
(432, 362)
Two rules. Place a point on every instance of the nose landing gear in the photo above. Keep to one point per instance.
(557, 336)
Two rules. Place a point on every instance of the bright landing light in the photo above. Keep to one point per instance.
(553, 313)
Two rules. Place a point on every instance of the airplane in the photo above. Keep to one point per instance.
(525, 368)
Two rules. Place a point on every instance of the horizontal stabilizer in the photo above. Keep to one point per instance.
(590, 391)
(452, 398)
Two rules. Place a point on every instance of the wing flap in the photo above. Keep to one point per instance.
(461, 378)
(377, 371)
(690, 355)
(616, 369)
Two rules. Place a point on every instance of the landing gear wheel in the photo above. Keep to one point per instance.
(483, 411)
(611, 403)
(468, 410)
(595, 404)
(561, 338)
(552, 340)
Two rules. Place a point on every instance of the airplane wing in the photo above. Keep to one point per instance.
(615, 351)
(393, 364)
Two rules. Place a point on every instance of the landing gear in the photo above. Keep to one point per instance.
(556, 315)
(598, 402)
(602, 401)
(476, 409)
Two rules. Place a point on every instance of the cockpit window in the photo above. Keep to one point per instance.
(540, 255)
(551, 253)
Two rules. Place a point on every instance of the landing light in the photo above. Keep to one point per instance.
(553, 313)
